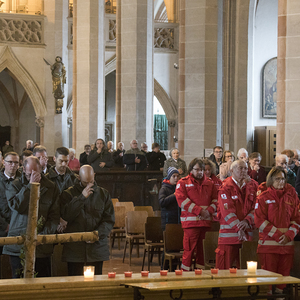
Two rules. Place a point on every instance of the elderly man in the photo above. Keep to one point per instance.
(74, 164)
(62, 176)
(7, 175)
(84, 155)
(29, 145)
(41, 153)
(282, 161)
(144, 147)
(197, 197)
(242, 154)
(118, 156)
(236, 201)
(134, 159)
(216, 157)
(18, 195)
(110, 146)
(87, 207)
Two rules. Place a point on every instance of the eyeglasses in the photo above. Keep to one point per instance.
(10, 162)
(279, 179)
(228, 155)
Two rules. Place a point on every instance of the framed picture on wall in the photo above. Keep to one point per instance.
(269, 98)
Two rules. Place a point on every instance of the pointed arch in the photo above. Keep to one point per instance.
(165, 101)
(9, 60)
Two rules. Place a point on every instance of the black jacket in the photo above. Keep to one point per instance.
(118, 160)
(155, 160)
(213, 159)
(129, 160)
(83, 159)
(95, 158)
(62, 183)
(170, 212)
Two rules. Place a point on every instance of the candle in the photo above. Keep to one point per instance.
(178, 272)
(111, 274)
(128, 274)
(88, 272)
(251, 266)
(232, 270)
(214, 271)
(145, 273)
(198, 272)
(163, 272)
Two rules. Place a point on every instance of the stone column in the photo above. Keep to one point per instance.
(136, 76)
(40, 123)
(88, 72)
(288, 75)
(197, 109)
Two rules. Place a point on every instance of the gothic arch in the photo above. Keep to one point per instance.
(9, 60)
(165, 101)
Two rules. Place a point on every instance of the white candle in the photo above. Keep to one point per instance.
(251, 266)
(88, 272)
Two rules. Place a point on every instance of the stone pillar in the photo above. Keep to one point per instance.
(136, 79)
(88, 72)
(197, 109)
(288, 75)
(40, 123)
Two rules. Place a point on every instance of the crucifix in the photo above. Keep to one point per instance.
(31, 239)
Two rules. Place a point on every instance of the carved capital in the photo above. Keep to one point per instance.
(171, 123)
(39, 121)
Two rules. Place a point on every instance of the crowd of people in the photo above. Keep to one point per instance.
(242, 198)
(236, 193)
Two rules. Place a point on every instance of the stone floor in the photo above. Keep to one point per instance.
(115, 264)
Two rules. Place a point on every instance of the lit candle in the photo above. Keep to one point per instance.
(178, 272)
(111, 274)
(88, 272)
(232, 270)
(198, 271)
(145, 273)
(128, 274)
(251, 266)
(214, 271)
(163, 272)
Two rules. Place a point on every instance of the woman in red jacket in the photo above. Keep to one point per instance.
(277, 217)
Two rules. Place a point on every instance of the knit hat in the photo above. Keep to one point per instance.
(171, 171)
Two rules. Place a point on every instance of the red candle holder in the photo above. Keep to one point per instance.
(233, 270)
(111, 274)
(214, 271)
(163, 272)
(178, 272)
(198, 272)
(145, 273)
(128, 274)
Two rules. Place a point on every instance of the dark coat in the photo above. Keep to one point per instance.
(62, 183)
(179, 164)
(95, 158)
(87, 214)
(213, 159)
(118, 160)
(6, 149)
(259, 176)
(18, 194)
(155, 160)
(129, 160)
(83, 159)
(170, 211)
(5, 212)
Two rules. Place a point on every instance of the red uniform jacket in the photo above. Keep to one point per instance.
(235, 205)
(277, 213)
(192, 197)
(259, 176)
(216, 181)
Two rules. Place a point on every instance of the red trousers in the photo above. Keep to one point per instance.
(193, 242)
(278, 263)
(228, 256)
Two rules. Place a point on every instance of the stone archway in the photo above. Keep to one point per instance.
(9, 60)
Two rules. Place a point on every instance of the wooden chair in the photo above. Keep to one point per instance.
(148, 209)
(135, 228)
(173, 243)
(153, 239)
(129, 206)
(118, 232)
(248, 253)
(210, 244)
(114, 201)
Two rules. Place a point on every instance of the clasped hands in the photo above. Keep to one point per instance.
(242, 226)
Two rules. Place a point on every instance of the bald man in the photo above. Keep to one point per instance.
(18, 194)
(87, 207)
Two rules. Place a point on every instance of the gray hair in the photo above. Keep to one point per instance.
(236, 163)
(173, 150)
(281, 156)
(241, 151)
(72, 150)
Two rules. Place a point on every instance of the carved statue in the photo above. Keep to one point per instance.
(58, 80)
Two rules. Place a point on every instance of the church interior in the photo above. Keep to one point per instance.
(187, 74)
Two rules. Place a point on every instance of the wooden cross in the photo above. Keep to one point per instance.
(31, 239)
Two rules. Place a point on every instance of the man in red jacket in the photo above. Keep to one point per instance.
(236, 201)
(197, 197)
